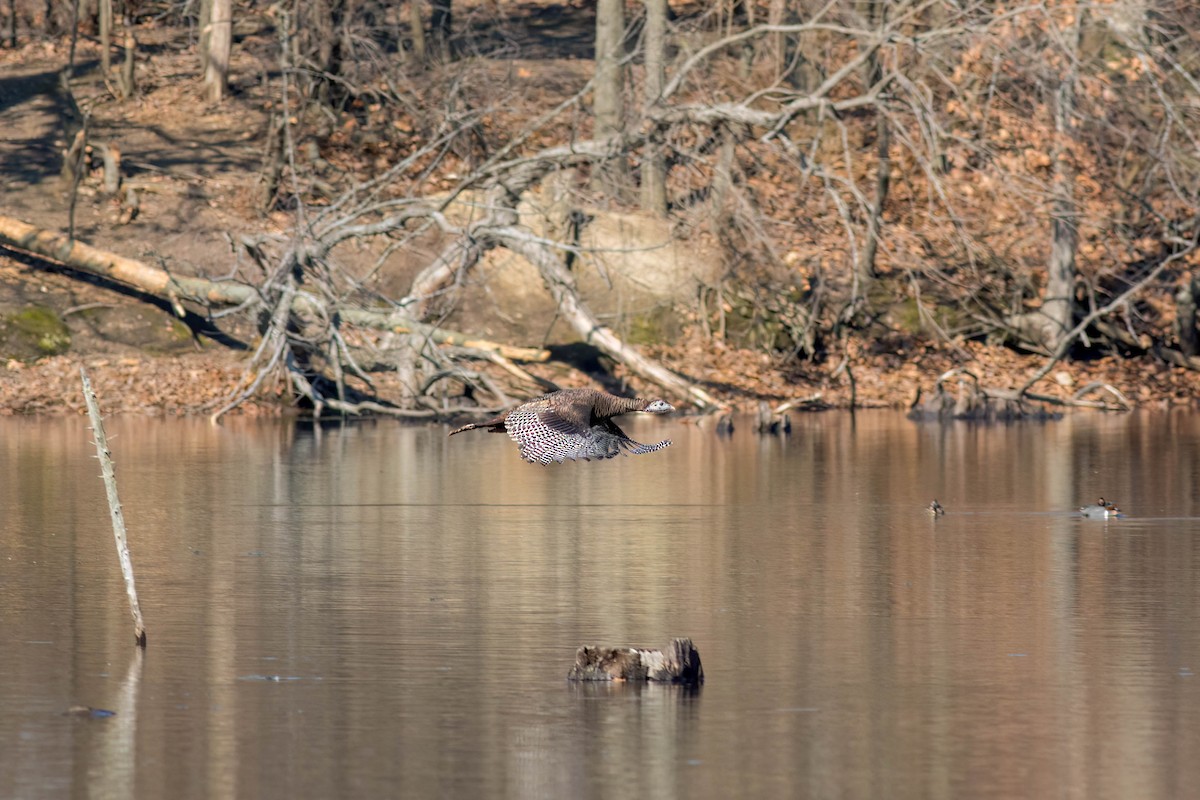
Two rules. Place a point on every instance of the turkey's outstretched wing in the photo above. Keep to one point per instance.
(568, 411)
(568, 420)
(542, 437)
(543, 442)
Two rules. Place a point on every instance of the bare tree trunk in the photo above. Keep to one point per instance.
(807, 74)
(416, 26)
(73, 156)
(205, 22)
(12, 24)
(73, 169)
(75, 124)
(111, 154)
(319, 27)
(441, 26)
(106, 23)
(125, 82)
(1058, 302)
(273, 163)
(747, 50)
(608, 105)
(216, 77)
(777, 12)
(722, 182)
(883, 169)
(1185, 315)
(654, 165)
(874, 73)
(74, 39)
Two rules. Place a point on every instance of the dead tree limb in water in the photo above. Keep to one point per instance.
(114, 507)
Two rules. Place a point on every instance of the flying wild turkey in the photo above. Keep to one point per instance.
(572, 424)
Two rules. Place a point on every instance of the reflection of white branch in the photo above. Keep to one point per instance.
(115, 762)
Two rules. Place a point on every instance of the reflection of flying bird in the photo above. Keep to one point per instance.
(1101, 509)
(572, 424)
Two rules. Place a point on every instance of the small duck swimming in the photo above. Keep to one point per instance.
(1101, 510)
(935, 509)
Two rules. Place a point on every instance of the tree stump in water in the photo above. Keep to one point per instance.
(775, 423)
(680, 663)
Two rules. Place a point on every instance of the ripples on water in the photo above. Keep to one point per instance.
(379, 611)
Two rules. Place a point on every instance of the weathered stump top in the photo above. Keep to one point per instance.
(678, 663)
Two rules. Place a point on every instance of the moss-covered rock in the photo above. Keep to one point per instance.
(143, 327)
(907, 316)
(31, 333)
(652, 327)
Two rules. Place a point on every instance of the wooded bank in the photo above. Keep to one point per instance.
(842, 181)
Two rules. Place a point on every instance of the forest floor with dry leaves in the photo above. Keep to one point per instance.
(201, 161)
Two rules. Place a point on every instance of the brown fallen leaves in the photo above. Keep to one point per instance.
(189, 384)
(200, 383)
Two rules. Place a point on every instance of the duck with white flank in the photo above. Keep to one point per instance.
(1101, 510)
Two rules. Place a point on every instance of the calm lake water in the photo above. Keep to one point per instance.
(379, 611)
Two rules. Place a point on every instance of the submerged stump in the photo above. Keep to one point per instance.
(679, 663)
(774, 423)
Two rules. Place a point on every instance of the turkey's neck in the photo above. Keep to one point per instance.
(607, 406)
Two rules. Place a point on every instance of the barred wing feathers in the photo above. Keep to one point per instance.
(571, 425)
(546, 434)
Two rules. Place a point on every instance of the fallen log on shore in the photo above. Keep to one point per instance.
(679, 663)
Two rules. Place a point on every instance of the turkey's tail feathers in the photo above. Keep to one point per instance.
(638, 449)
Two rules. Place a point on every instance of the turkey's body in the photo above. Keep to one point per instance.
(572, 424)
